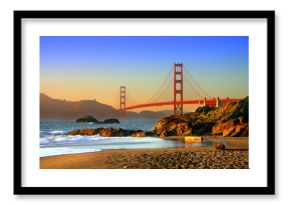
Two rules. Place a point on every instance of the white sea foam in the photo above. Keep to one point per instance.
(57, 132)
(92, 140)
(52, 151)
(53, 140)
(57, 145)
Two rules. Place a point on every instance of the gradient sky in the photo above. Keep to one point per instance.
(94, 67)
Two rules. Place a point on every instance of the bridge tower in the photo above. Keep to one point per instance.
(178, 89)
(122, 98)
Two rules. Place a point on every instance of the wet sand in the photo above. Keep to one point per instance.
(235, 156)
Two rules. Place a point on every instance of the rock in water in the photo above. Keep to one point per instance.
(89, 131)
(220, 146)
(110, 132)
(87, 118)
(111, 121)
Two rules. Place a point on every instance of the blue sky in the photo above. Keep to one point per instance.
(87, 67)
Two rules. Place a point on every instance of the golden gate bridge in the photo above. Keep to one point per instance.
(178, 94)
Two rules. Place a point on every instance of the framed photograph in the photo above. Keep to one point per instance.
(144, 102)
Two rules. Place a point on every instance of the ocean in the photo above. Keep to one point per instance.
(54, 141)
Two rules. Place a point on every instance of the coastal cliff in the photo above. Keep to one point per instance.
(230, 120)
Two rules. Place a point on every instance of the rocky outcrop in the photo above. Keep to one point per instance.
(89, 118)
(89, 131)
(231, 128)
(110, 132)
(230, 120)
(181, 126)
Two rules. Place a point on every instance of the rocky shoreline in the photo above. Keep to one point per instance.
(230, 120)
(111, 132)
(226, 127)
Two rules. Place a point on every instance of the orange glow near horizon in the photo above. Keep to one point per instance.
(75, 68)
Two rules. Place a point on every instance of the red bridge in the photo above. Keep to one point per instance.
(178, 100)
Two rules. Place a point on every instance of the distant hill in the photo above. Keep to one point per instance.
(51, 108)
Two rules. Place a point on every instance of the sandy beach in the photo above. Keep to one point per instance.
(235, 156)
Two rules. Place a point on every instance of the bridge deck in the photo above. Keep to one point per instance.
(211, 102)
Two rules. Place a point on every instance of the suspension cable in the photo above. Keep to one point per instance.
(170, 82)
(193, 87)
(196, 83)
(131, 98)
(163, 83)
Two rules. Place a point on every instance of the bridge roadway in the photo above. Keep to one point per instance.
(211, 102)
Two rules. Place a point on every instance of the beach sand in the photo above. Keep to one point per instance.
(235, 156)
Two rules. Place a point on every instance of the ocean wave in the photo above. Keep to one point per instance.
(52, 151)
(57, 140)
(57, 132)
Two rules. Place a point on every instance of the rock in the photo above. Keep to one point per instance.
(241, 130)
(85, 132)
(231, 128)
(161, 125)
(183, 129)
(87, 118)
(229, 132)
(220, 146)
(111, 121)
(176, 126)
(110, 132)
(217, 129)
(204, 110)
(173, 126)
(229, 120)
(149, 133)
(139, 134)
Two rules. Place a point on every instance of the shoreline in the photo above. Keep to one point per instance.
(235, 156)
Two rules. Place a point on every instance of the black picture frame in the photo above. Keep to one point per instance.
(268, 190)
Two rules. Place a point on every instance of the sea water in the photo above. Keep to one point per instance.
(55, 141)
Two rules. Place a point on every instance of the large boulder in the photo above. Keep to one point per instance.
(87, 118)
(170, 126)
(181, 126)
(89, 131)
(111, 132)
(220, 146)
(231, 128)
